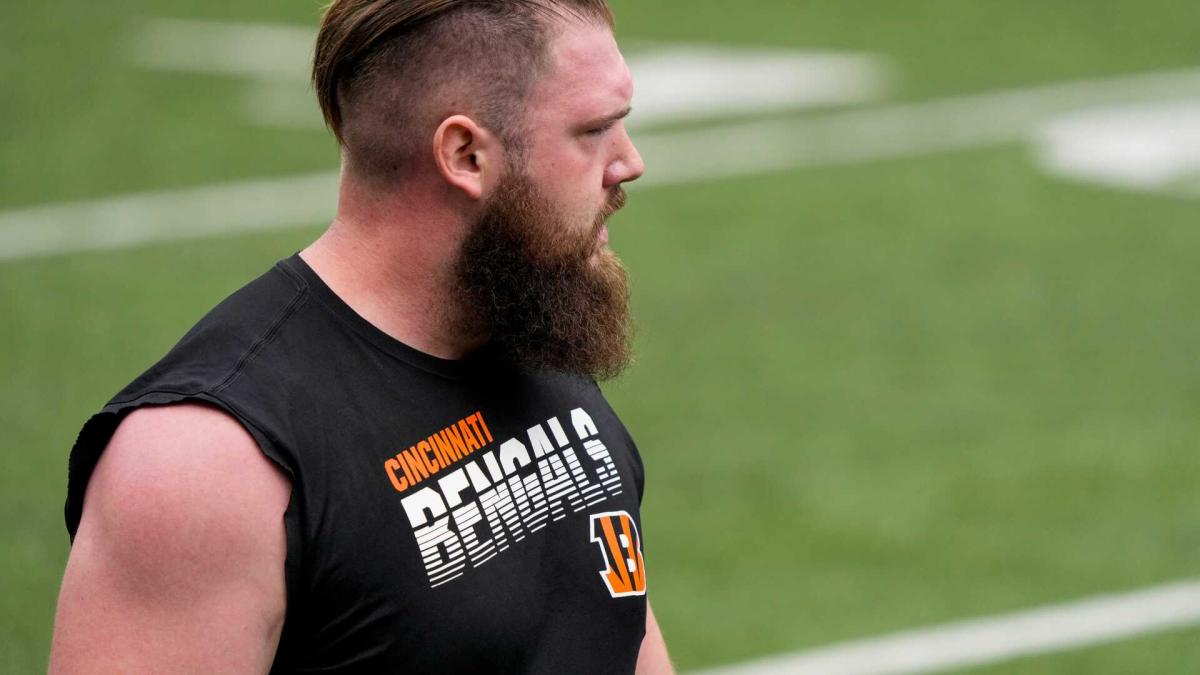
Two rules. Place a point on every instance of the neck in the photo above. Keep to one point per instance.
(391, 259)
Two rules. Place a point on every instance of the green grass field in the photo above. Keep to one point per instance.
(870, 397)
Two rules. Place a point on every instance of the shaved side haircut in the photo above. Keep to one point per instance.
(388, 72)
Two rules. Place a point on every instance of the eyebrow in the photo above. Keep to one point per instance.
(610, 119)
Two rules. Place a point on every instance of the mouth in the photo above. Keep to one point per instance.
(616, 202)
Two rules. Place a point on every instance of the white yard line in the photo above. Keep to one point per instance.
(672, 158)
(131, 220)
(1152, 147)
(680, 82)
(253, 50)
(978, 642)
(894, 131)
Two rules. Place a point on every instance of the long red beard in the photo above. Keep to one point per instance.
(544, 290)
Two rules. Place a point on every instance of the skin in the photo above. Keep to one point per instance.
(182, 531)
(181, 536)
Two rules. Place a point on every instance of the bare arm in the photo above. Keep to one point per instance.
(178, 564)
(653, 659)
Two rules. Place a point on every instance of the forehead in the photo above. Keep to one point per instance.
(586, 75)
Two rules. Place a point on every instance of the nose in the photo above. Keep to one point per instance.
(627, 166)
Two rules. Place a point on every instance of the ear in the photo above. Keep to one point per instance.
(467, 155)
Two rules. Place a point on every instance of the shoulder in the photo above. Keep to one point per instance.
(184, 482)
(182, 535)
(186, 443)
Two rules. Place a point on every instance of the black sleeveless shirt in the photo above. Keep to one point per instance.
(445, 516)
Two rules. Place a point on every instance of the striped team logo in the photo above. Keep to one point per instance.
(617, 536)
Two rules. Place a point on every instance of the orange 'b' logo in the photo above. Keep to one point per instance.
(617, 535)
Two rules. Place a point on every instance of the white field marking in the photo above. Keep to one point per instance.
(1148, 147)
(253, 50)
(975, 642)
(135, 219)
(672, 158)
(674, 83)
(894, 131)
(698, 82)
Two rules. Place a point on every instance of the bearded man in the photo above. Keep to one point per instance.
(389, 454)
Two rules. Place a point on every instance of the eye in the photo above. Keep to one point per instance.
(600, 130)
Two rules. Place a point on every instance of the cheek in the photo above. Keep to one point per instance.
(571, 175)
(578, 190)
(570, 159)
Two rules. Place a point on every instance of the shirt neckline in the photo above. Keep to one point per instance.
(450, 368)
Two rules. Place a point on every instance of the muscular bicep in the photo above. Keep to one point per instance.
(178, 563)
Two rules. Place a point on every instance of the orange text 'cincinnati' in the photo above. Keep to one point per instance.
(439, 451)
